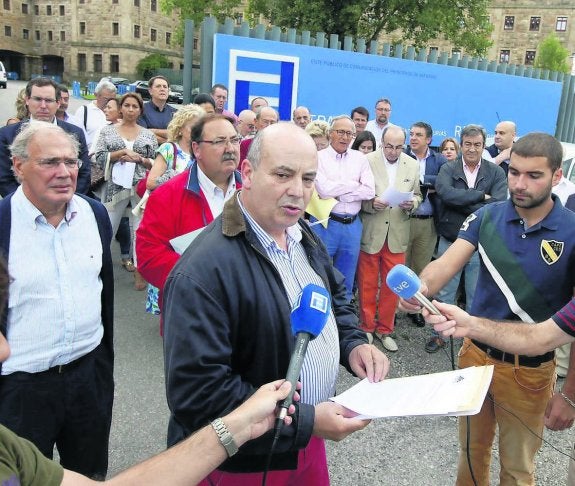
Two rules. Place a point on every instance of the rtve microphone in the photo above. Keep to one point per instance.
(403, 282)
(308, 318)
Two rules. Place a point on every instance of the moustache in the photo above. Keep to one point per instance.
(229, 156)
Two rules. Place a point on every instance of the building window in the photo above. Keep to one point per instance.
(153, 35)
(48, 9)
(153, 5)
(433, 49)
(115, 28)
(62, 10)
(25, 34)
(82, 63)
(37, 34)
(25, 8)
(504, 55)
(509, 22)
(36, 9)
(136, 3)
(8, 31)
(136, 31)
(63, 35)
(114, 63)
(529, 58)
(168, 37)
(97, 63)
(239, 18)
(6, 4)
(455, 51)
(534, 23)
(82, 28)
(50, 35)
(561, 24)
(195, 45)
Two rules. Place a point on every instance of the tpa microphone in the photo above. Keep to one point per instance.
(308, 318)
(403, 282)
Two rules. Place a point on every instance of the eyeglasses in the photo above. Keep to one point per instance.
(345, 133)
(54, 163)
(222, 141)
(396, 148)
(39, 99)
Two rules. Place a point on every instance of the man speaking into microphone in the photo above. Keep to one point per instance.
(227, 306)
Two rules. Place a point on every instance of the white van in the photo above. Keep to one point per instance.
(3, 78)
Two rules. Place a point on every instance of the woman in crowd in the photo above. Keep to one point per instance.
(21, 108)
(364, 142)
(319, 131)
(206, 101)
(179, 144)
(125, 151)
(450, 148)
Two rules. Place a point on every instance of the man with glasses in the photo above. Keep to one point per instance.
(57, 386)
(381, 121)
(42, 99)
(198, 193)
(385, 234)
(344, 175)
(463, 186)
(91, 116)
(422, 231)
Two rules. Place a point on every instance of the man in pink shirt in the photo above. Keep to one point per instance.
(343, 174)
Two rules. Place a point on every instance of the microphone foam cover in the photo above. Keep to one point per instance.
(402, 281)
(311, 310)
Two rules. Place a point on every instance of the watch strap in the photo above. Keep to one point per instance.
(225, 436)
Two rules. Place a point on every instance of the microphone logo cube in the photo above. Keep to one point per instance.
(319, 302)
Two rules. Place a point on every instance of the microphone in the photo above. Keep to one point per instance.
(308, 318)
(403, 282)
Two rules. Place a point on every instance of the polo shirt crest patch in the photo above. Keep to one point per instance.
(551, 251)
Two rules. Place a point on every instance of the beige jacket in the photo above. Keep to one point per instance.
(391, 224)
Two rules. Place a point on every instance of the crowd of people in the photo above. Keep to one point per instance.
(231, 217)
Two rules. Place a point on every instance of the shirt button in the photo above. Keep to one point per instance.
(523, 235)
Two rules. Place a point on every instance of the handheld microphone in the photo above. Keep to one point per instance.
(403, 282)
(308, 318)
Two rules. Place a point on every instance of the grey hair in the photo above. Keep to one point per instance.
(340, 117)
(19, 147)
(255, 151)
(473, 131)
(107, 85)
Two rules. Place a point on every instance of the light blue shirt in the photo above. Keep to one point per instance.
(54, 308)
(321, 364)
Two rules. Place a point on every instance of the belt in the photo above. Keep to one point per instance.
(343, 219)
(421, 216)
(66, 368)
(528, 361)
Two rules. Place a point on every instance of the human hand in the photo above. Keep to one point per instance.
(258, 413)
(130, 156)
(367, 361)
(559, 415)
(407, 205)
(412, 305)
(379, 204)
(335, 422)
(453, 320)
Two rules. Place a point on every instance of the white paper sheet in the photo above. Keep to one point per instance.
(123, 174)
(394, 198)
(180, 243)
(459, 392)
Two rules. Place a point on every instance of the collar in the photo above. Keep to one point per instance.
(335, 154)
(33, 216)
(204, 180)
(464, 165)
(157, 108)
(551, 221)
(53, 122)
(412, 154)
(193, 182)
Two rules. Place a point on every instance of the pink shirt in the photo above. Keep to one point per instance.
(346, 177)
(471, 176)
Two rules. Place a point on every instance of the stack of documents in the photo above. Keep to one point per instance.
(459, 392)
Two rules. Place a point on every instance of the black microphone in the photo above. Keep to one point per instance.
(308, 318)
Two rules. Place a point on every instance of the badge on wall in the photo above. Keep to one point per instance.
(551, 250)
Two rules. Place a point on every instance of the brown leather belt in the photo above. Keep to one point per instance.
(528, 361)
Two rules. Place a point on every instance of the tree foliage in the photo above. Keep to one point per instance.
(552, 55)
(148, 65)
(464, 23)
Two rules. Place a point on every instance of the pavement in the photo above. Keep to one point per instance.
(413, 451)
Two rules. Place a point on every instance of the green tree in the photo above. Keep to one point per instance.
(464, 23)
(148, 65)
(552, 55)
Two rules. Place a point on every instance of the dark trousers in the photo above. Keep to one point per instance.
(72, 410)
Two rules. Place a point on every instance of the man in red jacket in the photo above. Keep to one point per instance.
(191, 200)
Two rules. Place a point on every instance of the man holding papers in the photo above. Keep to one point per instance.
(191, 200)
(385, 234)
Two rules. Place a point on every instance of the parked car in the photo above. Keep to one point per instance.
(3, 76)
(141, 87)
(116, 81)
(176, 94)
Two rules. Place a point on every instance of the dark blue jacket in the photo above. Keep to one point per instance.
(8, 183)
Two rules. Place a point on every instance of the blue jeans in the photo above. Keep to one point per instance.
(342, 242)
(471, 268)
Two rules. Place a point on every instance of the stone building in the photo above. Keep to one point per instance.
(85, 39)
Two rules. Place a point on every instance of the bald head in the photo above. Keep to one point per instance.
(505, 132)
(265, 117)
(301, 116)
(246, 122)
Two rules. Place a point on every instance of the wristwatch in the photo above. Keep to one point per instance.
(226, 438)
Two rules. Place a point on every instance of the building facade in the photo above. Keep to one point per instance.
(85, 39)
